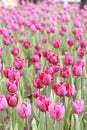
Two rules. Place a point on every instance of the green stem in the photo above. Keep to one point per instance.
(13, 119)
(56, 125)
(2, 116)
(46, 121)
(47, 91)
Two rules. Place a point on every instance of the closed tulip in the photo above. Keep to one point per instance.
(57, 111)
(3, 102)
(78, 106)
(43, 103)
(24, 110)
(12, 99)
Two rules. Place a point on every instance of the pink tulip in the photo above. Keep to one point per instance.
(81, 52)
(64, 72)
(53, 58)
(44, 40)
(57, 111)
(74, 31)
(6, 41)
(38, 53)
(14, 26)
(12, 99)
(70, 88)
(57, 43)
(12, 86)
(64, 27)
(48, 30)
(60, 88)
(56, 67)
(37, 47)
(3, 102)
(37, 83)
(34, 58)
(45, 78)
(24, 110)
(77, 70)
(46, 53)
(18, 63)
(15, 51)
(70, 42)
(52, 29)
(22, 31)
(11, 73)
(26, 44)
(79, 36)
(36, 93)
(43, 103)
(68, 59)
(78, 106)
(5, 32)
(61, 32)
(81, 62)
(50, 70)
(37, 65)
(33, 28)
(77, 23)
(22, 40)
(83, 43)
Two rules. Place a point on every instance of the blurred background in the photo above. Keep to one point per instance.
(65, 2)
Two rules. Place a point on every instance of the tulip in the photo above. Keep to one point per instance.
(3, 102)
(12, 86)
(18, 63)
(12, 99)
(70, 42)
(37, 65)
(83, 43)
(24, 110)
(78, 106)
(68, 59)
(57, 43)
(70, 88)
(43, 103)
(37, 83)
(37, 47)
(77, 70)
(45, 78)
(44, 40)
(57, 111)
(15, 51)
(26, 44)
(35, 93)
(34, 58)
(53, 58)
(11, 73)
(64, 72)
(81, 52)
(60, 88)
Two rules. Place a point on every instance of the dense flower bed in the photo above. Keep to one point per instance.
(43, 67)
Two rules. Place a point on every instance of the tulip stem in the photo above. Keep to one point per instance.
(46, 121)
(56, 125)
(47, 94)
(13, 118)
(2, 116)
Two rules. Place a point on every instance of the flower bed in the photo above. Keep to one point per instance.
(43, 67)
